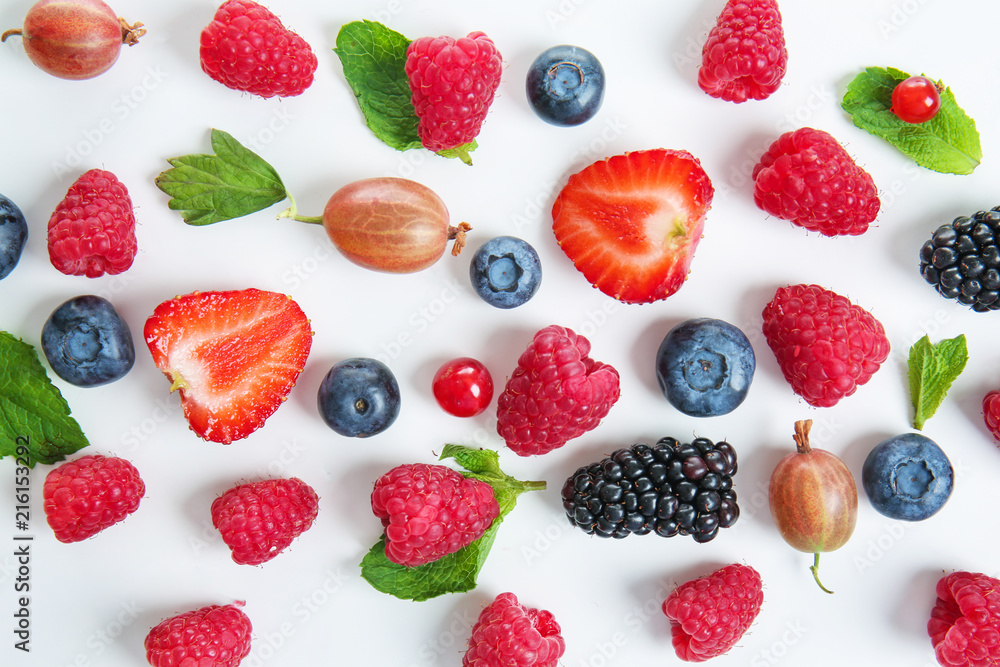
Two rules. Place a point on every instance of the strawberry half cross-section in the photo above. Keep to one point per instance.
(233, 356)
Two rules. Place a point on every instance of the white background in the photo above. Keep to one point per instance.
(92, 603)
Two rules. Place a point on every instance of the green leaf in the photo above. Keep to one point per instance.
(459, 571)
(948, 143)
(932, 370)
(230, 184)
(33, 412)
(373, 58)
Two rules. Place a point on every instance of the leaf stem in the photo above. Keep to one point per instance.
(293, 212)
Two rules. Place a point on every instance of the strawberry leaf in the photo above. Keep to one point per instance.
(230, 184)
(948, 143)
(33, 413)
(459, 571)
(373, 58)
(932, 370)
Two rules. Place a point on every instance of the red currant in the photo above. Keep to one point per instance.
(916, 99)
(463, 387)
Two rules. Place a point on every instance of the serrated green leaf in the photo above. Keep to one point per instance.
(232, 183)
(459, 571)
(948, 143)
(33, 412)
(932, 370)
(373, 57)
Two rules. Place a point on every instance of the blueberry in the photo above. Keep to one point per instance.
(907, 477)
(359, 397)
(13, 234)
(505, 271)
(87, 343)
(705, 367)
(565, 85)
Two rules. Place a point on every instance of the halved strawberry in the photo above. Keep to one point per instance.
(234, 356)
(631, 222)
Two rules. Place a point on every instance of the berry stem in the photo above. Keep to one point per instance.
(9, 33)
(293, 212)
(131, 32)
(802, 436)
(814, 568)
(458, 235)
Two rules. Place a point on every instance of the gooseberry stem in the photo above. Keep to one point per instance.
(293, 212)
(814, 568)
(458, 235)
(10, 33)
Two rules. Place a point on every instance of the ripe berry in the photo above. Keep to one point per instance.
(671, 488)
(505, 272)
(247, 48)
(916, 99)
(744, 56)
(991, 413)
(359, 397)
(708, 616)
(92, 230)
(258, 520)
(565, 85)
(508, 633)
(907, 477)
(463, 387)
(962, 260)
(13, 235)
(87, 343)
(84, 496)
(213, 636)
(965, 620)
(430, 511)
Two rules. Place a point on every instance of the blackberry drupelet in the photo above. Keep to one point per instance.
(669, 488)
(962, 260)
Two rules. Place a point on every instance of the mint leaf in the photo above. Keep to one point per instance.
(932, 370)
(948, 143)
(33, 412)
(230, 184)
(459, 571)
(373, 58)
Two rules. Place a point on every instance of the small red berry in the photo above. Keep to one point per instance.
(916, 99)
(991, 413)
(463, 387)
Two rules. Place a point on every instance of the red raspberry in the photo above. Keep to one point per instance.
(965, 621)
(430, 511)
(92, 230)
(259, 520)
(744, 56)
(214, 636)
(808, 178)
(709, 615)
(83, 497)
(247, 48)
(508, 633)
(452, 82)
(991, 412)
(825, 345)
(556, 393)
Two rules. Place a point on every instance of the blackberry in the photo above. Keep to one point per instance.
(670, 488)
(962, 260)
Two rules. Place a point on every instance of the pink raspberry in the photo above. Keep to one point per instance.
(965, 621)
(430, 511)
(709, 615)
(991, 413)
(258, 520)
(247, 48)
(452, 82)
(213, 636)
(744, 56)
(826, 346)
(556, 393)
(84, 496)
(508, 633)
(92, 230)
(807, 177)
